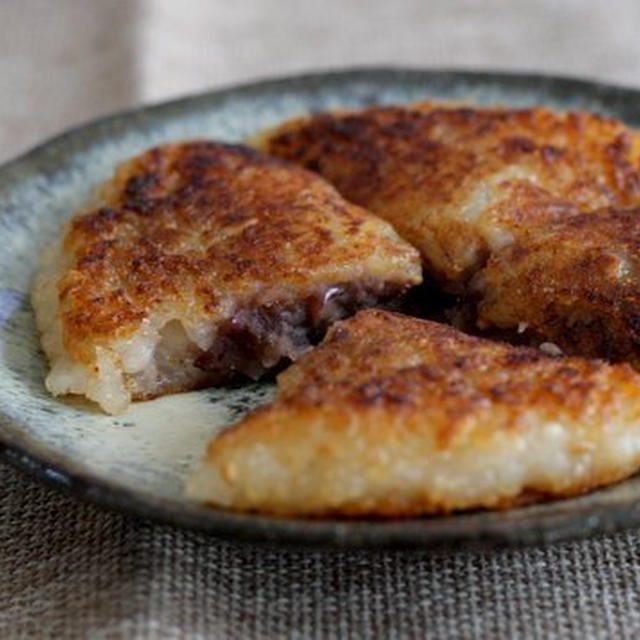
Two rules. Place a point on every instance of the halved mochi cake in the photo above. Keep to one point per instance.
(201, 262)
(395, 416)
(460, 183)
(574, 283)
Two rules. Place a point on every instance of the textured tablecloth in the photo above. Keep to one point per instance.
(72, 570)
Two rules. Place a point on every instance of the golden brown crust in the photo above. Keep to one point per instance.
(185, 222)
(573, 283)
(393, 416)
(450, 178)
(384, 359)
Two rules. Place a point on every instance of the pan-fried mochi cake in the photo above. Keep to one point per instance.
(529, 215)
(201, 262)
(460, 183)
(395, 416)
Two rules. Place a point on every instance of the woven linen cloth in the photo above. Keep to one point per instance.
(72, 570)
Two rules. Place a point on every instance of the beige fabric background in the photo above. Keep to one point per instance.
(64, 61)
(71, 570)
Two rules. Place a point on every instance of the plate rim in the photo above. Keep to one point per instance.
(411, 534)
(480, 528)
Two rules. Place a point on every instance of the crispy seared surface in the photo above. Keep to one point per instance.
(198, 223)
(574, 283)
(459, 183)
(392, 416)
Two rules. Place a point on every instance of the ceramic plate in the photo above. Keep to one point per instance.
(138, 461)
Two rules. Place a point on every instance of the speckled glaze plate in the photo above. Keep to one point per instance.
(138, 462)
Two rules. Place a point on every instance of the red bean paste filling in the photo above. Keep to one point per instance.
(262, 338)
